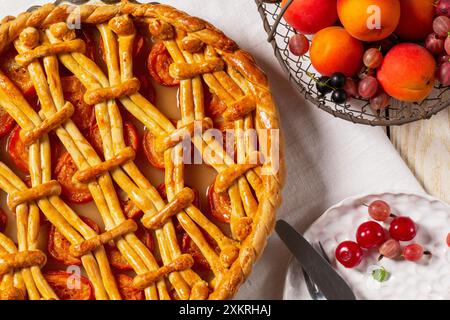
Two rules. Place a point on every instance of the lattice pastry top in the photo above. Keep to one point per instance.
(64, 64)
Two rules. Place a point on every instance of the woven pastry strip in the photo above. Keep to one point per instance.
(102, 190)
(12, 285)
(181, 263)
(128, 226)
(199, 51)
(167, 235)
(45, 205)
(229, 251)
(194, 214)
(20, 260)
(50, 50)
(184, 71)
(191, 280)
(227, 177)
(152, 126)
(104, 94)
(50, 124)
(139, 196)
(181, 201)
(65, 220)
(51, 188)
(127, 154)
(239, 223)
(28, 223)
(177, 136)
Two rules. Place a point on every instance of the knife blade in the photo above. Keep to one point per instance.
(319, 270)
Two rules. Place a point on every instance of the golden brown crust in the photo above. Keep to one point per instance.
(20, 260)
(124, 89)
(198, 33)
(12, 294)
(182, 71)
(229, 255)
(191, 44)
(181, 201)
(200, 291)
(50, 124)
(240, 108)
(25, 59)
(183, 262)
(86, 246)
(165, 143)
(226, 178)
(51, 188)
(122, 25)
(94, 172)
(160, 29)
(96, 14)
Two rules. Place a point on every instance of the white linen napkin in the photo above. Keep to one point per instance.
(328, 159)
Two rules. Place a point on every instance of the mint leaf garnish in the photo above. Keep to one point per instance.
(380, 275)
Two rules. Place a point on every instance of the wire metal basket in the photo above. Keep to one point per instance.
(301, 74)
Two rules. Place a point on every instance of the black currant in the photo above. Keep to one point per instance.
(323, 86)
(339, 96)
(337, 80)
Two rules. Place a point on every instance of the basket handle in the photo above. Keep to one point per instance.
(280, 16)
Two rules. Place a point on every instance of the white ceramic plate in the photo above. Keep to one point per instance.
(427, 279)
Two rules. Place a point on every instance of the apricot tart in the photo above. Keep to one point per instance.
(79, 86)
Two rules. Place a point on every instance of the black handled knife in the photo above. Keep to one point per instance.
(319, 270)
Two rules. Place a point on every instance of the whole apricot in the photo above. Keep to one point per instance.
(416, 20)
(369, 20)
(407, 72)
(334, 50)
(311, 16)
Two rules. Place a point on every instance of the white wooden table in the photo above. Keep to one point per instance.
(425, 146)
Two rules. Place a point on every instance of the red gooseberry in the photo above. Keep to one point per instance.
(349, 254)
(370, 235)
(403, 229)
(379, 210)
